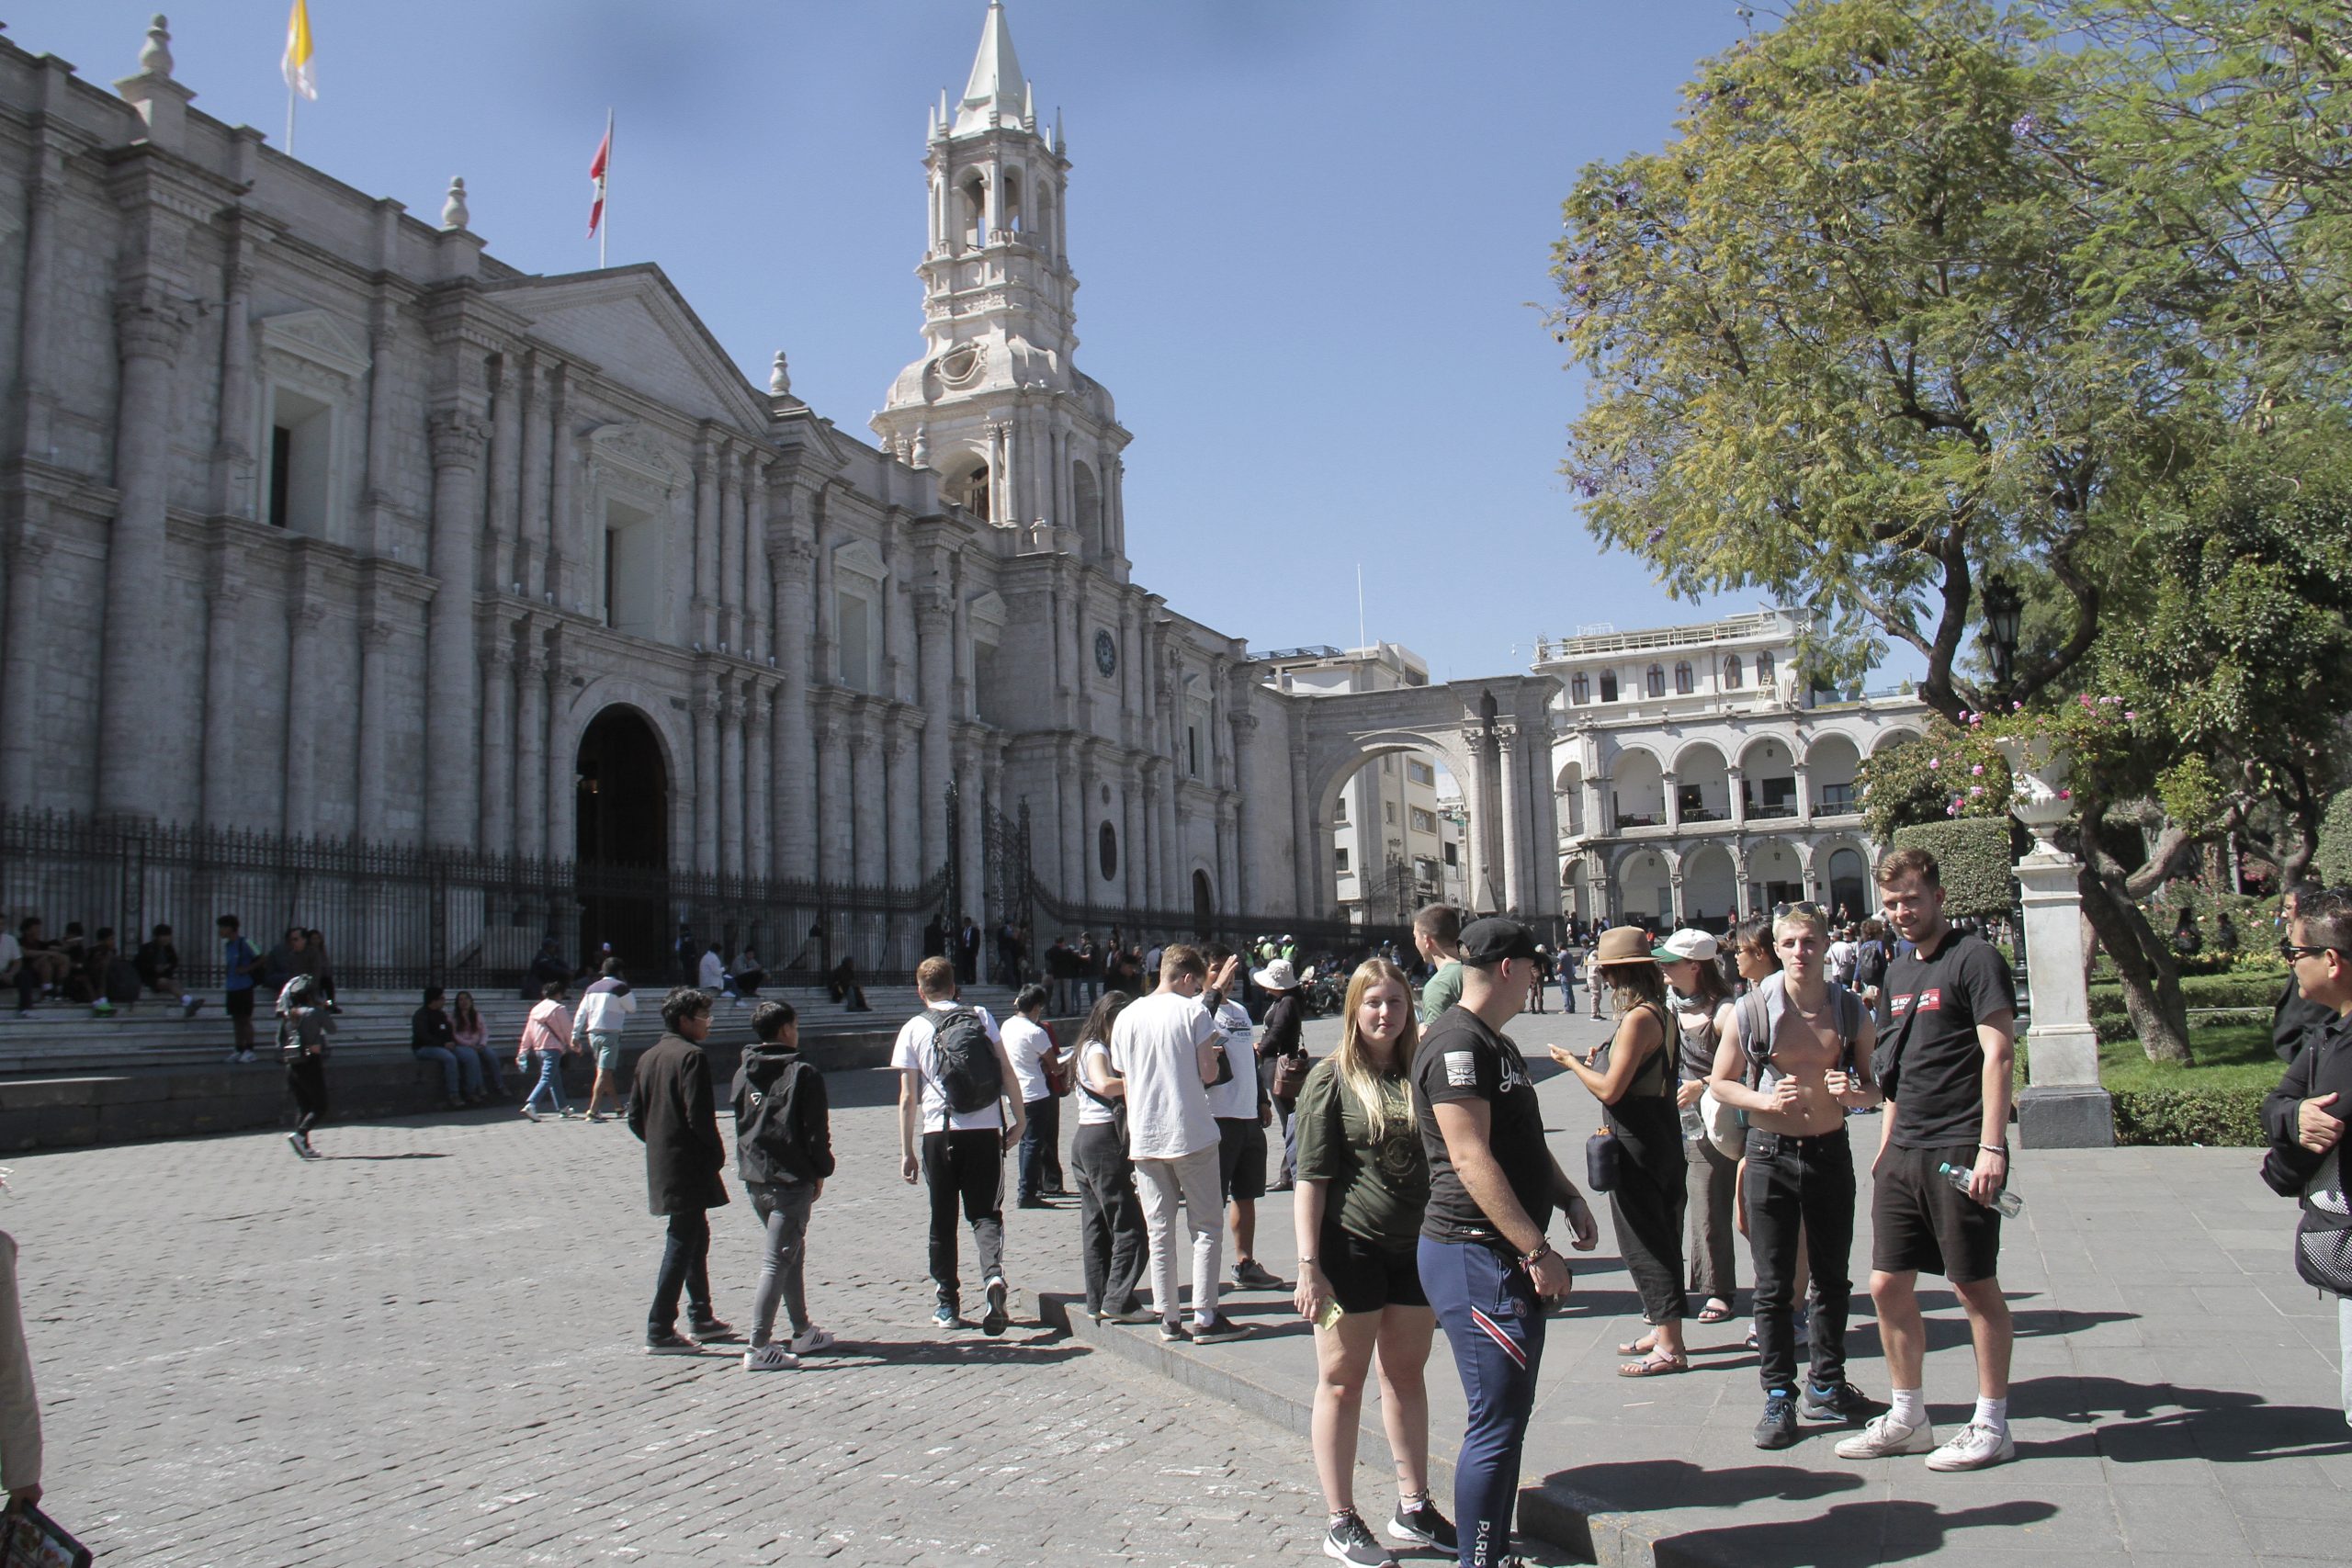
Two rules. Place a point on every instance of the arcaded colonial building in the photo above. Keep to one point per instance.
(1699, 777)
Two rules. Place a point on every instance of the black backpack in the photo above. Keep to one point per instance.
(967, 1062)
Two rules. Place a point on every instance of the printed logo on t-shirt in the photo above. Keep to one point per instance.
(1931, 1000)
(1900, 1005)
(1462, 1069)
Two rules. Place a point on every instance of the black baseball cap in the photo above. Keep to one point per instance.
(1494, 939)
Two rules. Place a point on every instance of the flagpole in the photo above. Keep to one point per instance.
(289, 119)
(605, 228)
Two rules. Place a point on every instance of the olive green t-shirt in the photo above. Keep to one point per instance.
(1376, 1192)
(1443, 990)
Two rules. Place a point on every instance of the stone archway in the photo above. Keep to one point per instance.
(622, 830)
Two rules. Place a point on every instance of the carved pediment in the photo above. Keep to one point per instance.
(632, 452)
(315, 338)
(858, 559)
(988, 610)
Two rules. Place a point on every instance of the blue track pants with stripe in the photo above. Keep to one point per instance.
(1486, 1305)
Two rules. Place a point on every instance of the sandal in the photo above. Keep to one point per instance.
(1641, 1347)
(1715, 1311)
(1654, 1366)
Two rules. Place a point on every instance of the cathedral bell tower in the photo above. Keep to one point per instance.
(1017, 435)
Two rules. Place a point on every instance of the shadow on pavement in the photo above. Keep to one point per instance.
(2164, 1421)
(1044, 1349)
(1897, 1531)
(1653, 1485)
(412, 1154)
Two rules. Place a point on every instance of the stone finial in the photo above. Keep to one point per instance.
(453, 211)
(156, 58)
(780, 378)
(919, 455)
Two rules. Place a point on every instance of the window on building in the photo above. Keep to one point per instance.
(1339, 859)
(854, 640)
(1452, 856)
(1420, 772)
(1424, 821)
(1608, 686)
(301, 438)
(1654, 682)
(1763, 669)
(1107, 851)
(1340, 813)
(1685, 681)
(630, 585)
(1731, 673)
(1580, 688)
(1388, 765)
(1192, 749)
(1388, 812)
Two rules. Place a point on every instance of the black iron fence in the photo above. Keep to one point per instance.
(395, 917)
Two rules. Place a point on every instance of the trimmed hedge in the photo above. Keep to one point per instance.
(2332, 863)
(2218, 1118)
(2114, 1026)
(2234, 990)
(1972, 852)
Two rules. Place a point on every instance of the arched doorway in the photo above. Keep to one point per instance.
(623, 850)
(1204, 906)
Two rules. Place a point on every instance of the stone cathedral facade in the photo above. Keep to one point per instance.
(319, 520)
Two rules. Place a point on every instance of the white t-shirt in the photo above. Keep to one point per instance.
(1025, 1043)
(1093, 1113)
(1237, 1099)
(1156, 1045)
(912, 1054)
(712, 973)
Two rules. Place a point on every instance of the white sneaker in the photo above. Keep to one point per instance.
(813, 1339)
(1974, 1447)
(528, 1113)
(1885, 1437)
(770, 1358)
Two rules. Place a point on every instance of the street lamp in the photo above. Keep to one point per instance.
(2004, 608)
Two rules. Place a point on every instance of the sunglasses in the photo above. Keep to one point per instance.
(2290, 950)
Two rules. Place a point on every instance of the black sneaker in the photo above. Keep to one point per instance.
(1778, 1429)
(1422, 1524)
(1844, 1402)
(1349, 1540)
(993, 1321)
(669, 1342)
(1173, 1332)
(1218, 1330)
(710, 1331)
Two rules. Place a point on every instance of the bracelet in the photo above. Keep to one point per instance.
(1310, 1263)
(2001, 1149)
(1533, 1258)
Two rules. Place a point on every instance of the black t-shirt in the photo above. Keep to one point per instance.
(1462, 1059)
(1939, 1086)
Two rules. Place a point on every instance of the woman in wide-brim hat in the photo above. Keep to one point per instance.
(1636, 1091)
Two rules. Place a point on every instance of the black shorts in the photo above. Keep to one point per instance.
(1240, 1159)
(1921, 1223)
(1366, 1278)
(238, 1004)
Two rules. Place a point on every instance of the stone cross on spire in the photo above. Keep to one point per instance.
(998, 93)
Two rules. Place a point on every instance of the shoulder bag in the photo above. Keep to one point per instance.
(1061, 1072)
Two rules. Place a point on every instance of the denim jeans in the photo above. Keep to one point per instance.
(1041, 1136)
(486, 1066)
(550, 1065)
(1801, 1194)
(686, 1266)
(1110, 1217)
(783, 1208)
(457, 1067)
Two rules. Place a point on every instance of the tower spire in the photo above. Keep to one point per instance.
(996, 91)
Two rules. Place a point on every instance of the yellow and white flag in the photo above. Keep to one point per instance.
(299, 75)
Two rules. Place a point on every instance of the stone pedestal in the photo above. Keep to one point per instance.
(2063, 1106)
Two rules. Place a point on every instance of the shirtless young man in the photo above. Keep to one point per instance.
(1810, 1042)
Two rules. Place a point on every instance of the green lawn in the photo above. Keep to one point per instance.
(2229, 1056)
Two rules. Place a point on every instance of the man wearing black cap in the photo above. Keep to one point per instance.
(1493, 1185)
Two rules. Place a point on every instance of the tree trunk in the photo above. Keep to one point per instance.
(2142, 961)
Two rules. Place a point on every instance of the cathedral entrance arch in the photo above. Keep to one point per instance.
(623, 848)
(1204, 906)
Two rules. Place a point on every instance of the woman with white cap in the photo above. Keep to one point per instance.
(1280, 1034)
(1696, 992)
(1636, 1091)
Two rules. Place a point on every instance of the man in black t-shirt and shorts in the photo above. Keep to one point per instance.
(1947, 1013)
(1484, 1263)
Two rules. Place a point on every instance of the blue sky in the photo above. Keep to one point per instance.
(1311, 236)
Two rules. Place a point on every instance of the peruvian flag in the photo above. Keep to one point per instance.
(596, 174)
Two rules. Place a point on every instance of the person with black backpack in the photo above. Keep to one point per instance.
(955, 1085)
(784, 1151)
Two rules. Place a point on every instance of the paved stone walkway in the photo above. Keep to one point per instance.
(423, 1349)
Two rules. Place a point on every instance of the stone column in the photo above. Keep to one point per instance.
(1667, 780)
(1514, 804)
(1069, 878)
(1228, 856)
(452, 812)
(529, 546)
(148, 329)
(707, 829)
(757, 639)
(1736, 781)
(758, 835)
(563, 794)
(498, 729)
(975, 795)
(1305, 825)
(1174, 895)
(376, 499)
(563, 522)
(1247, 897)
(1153, 850)
(506, 471)
(869, 799)
(21, 735)
(706, 597)
(38, 317)
(531, 749)
(796, 769)
(373, 784)
(1091, 815)
(1132, 863)
(910, 809)
(731, 779)
(833, 803)
(2063, 1106)
(1477, 869)
(730, 550)
(224, 800)
(1741, 902)
(232, 451)
(305, 645)
(935, 654)
(1804, 793)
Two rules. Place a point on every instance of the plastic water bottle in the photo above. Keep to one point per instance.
(2008, 1202)
(1694, 1126)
